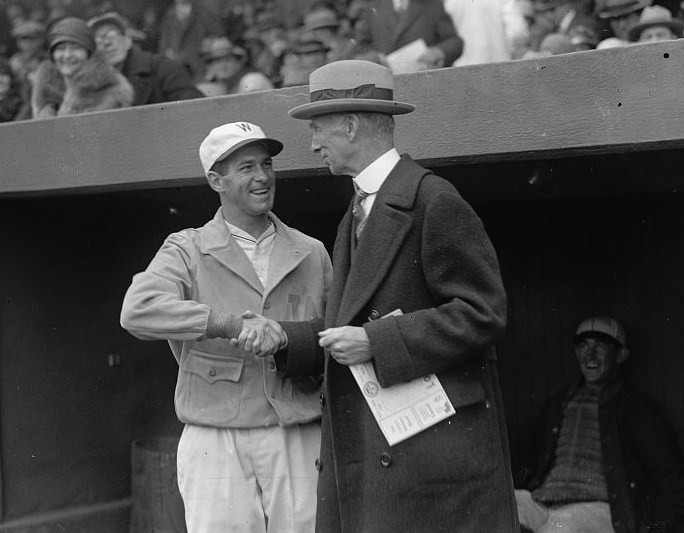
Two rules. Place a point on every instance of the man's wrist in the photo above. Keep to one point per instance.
(223, 325)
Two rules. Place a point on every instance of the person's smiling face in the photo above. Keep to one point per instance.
(597, 357)
(247, 183)
(69, 58)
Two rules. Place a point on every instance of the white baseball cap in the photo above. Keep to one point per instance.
(224, 140)
(603, 325)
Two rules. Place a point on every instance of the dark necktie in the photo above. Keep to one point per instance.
(358, 211)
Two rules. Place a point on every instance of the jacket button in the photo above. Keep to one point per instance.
(632, 485)
(271, 365)
(318, 465)
(212, 372)
(321, 399)
(374, 315)
(385, 459)
(267, 306)
(554, 431)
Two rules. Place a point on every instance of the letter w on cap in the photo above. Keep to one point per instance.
(244, 126)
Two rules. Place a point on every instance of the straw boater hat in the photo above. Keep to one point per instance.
(655, 16)
(351, 85)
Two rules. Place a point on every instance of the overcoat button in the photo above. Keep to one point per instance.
(321, 399)
(385, 459)
(212, 372)
(374, 315)
(271, 365)
(318, 465)
(554, 430)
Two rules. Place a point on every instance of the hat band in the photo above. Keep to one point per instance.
(362, 91)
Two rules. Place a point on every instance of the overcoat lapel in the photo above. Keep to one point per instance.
(341, 263)
(386, 228)
(217, 242)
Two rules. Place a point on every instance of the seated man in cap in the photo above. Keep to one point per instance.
(246, 457)
(155, 78)
(607, 460)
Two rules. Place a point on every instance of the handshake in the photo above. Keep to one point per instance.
(260, 335)
(348, 345)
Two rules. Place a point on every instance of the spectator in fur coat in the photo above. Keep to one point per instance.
(76, 79)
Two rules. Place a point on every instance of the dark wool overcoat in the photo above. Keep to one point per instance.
(156, 78)
(423, 251)
(386, 30)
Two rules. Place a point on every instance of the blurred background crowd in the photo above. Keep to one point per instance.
(60, 57)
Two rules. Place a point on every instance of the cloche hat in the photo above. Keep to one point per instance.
(72, 30)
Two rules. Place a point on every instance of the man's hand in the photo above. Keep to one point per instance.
(348, 345)
(260, 335)
(432, 58)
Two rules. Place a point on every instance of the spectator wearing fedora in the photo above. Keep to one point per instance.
(392, 24)
(558, 17)
(77, 78)
(227, 69)
(155, 78)
(323, 24)
(416, 290)
(606, 459)
(10, 98)
(184, 26)
(30, 38)
(655, 24)
(32, 51)
(251, 437)
(621, 15)
(307, 54)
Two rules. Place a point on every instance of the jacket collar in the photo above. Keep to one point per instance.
(289, 251)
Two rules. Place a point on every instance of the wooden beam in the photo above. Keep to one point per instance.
(606, 101)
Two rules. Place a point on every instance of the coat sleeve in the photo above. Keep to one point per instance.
(461, 273)
(303, 356)
(175, 81)
(157, 304)
(448, 39)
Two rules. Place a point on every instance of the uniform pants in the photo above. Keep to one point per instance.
(259, 480)
(582, 517)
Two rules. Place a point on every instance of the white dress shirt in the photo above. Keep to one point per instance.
(374, 175)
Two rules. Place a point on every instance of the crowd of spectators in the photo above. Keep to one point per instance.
(172, 50)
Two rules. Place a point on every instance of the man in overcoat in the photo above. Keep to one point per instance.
(392, 24)
(154, 77)
(423, 256)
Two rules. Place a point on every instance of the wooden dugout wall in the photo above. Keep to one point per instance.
(573, 162)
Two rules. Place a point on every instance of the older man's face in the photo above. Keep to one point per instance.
(113, 43)
(329, 139)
